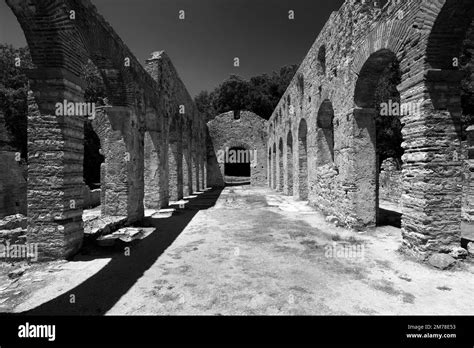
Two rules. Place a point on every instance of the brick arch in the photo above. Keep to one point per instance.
(175, 159)
(451, 20)
(391, 35)
(364, 114)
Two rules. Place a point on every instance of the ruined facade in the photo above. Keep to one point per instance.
(241, 134)
(322, 133)
(151, 134)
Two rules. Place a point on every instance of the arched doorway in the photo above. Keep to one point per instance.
(378, 117)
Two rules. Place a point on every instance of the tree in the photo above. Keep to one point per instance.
(205, 104)
(14, 93)
(260, 94)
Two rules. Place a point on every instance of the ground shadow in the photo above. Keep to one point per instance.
(103, 290)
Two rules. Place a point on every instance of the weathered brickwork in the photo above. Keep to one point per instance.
(331, 97)
(150, 126)
(245, 131)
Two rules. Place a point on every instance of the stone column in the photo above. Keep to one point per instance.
(175, 162)
(432, 189)
(195, 172)
(55, 168)
(153, 171)
(361, 187)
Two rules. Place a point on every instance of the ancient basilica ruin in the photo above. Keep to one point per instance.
(319, 145)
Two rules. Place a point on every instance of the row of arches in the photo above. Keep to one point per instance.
(151, 135)
(425, 96)
(289, 169)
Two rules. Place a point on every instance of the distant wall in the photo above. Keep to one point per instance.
(247, 131)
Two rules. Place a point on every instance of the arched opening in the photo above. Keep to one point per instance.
(270, 166)
(325, 134)
(302, 160)
(274, 164)
(175, 161)
(93, 153)
(289, 164)
(280, 166)
(237, 165)
(379, 122)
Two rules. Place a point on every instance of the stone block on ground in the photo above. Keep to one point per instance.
(441, 261)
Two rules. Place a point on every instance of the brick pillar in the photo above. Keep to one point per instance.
(153, 171)
(114, 178)
(122, 178)
(55, 168)
(432, 190)
(202, 184)
(187, 187)
(204, 173)
(281, 169)
(175, 162)
(195, 173)
(289, 169)
(361, 188)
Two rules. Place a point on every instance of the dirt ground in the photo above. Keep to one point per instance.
(243, 251)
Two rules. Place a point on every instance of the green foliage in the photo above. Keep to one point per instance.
(14, 93)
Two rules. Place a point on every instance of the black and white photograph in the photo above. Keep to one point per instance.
(246, 160)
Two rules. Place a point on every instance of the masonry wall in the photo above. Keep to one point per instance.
(225, 132)
(142, 104)
(339, 74)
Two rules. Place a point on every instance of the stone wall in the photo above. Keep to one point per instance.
(326, 118)
(390, 182)
(247, 130)
(148, 112)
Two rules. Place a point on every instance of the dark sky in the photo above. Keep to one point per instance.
(203, 46)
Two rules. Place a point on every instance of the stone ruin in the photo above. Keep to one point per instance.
(321, 137)
(319, 143)
(151, 134)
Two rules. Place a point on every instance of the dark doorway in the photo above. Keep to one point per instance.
(237, 163)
